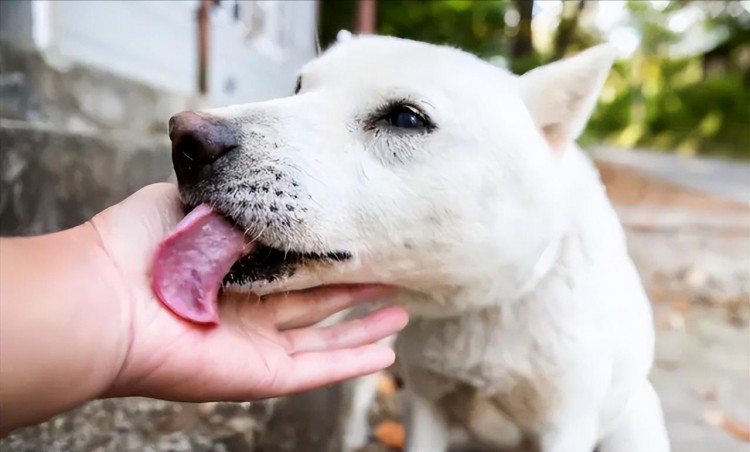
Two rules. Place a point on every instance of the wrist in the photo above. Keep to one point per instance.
(61, 326)
(108, 300)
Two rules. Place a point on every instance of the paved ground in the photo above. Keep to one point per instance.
(688, 228)
(701, 374)
(728, 179)
(691, 243)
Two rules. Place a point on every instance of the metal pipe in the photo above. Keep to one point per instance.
(204, 25)
(367, 12)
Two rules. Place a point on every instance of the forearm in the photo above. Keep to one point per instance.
(56, 347)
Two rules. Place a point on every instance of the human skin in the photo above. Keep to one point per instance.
(79, 321)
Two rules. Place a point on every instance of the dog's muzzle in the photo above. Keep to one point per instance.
(198, 142)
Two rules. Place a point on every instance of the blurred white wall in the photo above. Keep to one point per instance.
(254, 54)
(257, 56)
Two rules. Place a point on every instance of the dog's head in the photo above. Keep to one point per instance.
(394, 161)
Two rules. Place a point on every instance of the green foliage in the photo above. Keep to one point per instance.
(527, 63)
(474, 25)
(335, 15)
(655, 37)
(481, 22)
(692, 104)
(676, 108)
(696, 104)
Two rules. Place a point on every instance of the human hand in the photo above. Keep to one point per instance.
(79, 320)
(264, 347)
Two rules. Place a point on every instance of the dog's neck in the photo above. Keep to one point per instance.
(549, 258)
(592, 236)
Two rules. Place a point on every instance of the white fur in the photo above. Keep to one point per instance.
(526, 306)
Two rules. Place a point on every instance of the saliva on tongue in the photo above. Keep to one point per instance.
(192, 261)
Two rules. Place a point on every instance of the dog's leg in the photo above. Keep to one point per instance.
(360, 395)
(491, 426)
(641, 426)
(575, 435)
(427, 430)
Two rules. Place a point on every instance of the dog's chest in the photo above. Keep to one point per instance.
(510, 357)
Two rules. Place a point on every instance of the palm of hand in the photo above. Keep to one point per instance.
(262, 348)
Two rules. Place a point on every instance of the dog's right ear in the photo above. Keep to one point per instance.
(561, 96)
(343, 35)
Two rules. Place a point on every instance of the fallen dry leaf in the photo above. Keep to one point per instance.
(708, 394)
(695, 278)
(681, 305)
(656, 294)
(391, 434)
(671, 321)
(720, 420)
(386, 386)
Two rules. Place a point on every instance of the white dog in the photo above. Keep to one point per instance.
(423, 167)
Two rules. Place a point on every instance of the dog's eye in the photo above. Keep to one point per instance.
(406, 117)
(298, 85)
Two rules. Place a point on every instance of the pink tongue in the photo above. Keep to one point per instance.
(192, 261)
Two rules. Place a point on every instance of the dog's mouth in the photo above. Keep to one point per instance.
(268, 264)
(207, 251)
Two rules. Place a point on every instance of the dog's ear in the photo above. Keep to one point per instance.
(561, 96)
(343, 35)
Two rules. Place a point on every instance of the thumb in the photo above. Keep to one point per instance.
(158, 206)
(137, 224)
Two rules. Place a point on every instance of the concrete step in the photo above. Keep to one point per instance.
(695, 226)
(75, 139)
(38, 87)
(728, 179)
(52, 178)
(675, 219)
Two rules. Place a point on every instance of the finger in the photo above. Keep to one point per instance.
(371, 328)
(308, 307)
(315, 369)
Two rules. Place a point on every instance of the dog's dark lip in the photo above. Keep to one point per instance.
(268, 264)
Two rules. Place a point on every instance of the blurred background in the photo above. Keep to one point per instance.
(86, 88)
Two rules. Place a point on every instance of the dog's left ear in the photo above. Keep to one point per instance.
(343, 35)
(561, 96)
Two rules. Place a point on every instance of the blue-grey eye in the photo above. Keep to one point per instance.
(405, 117)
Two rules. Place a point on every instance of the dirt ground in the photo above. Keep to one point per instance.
(693, 253)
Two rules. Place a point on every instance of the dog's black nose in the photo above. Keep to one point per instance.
(198, 141)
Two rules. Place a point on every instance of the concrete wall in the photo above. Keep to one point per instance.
(52, 179)
(15, 24)
(251, 65)
(150, 41)
(73, 142)
(251, 57)
(87, 87)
